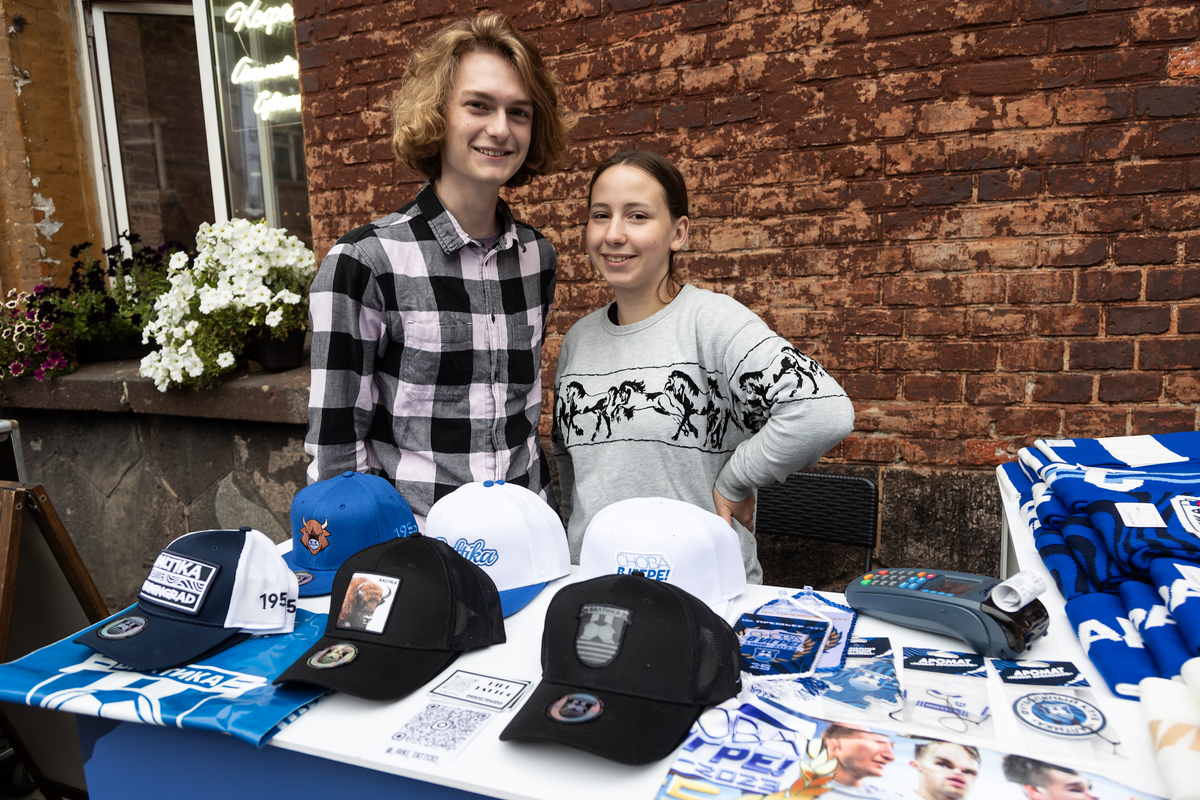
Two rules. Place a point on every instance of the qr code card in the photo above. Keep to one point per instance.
(437, 733)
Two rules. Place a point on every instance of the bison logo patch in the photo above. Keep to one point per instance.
(314, 535)
(367, 602)
(601, 629)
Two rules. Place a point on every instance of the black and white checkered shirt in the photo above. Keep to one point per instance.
(427, 354)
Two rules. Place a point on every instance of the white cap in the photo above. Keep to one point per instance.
(265, 593)
(667, 540)
(508, 531)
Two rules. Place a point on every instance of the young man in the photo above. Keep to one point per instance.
(860, 754)
(1042, 781)
(947, 770)
(428, 324)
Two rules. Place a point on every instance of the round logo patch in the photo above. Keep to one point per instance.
(1060, 714)
(336, 655)
(122, 628)
(303, 577)
(577, 707)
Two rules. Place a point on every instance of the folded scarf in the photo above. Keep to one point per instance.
(1157, 628)
(1111, 641)
(1178, 585)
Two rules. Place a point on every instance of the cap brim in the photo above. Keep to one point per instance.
(629, 730)
(164, 643)
(513, 600)
(377, 672)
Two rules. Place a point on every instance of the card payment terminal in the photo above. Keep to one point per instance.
(956, 604)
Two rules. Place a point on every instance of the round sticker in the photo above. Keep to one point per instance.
(303, 578)
(122, 628)
(577, 707)
(1060, 714)
(336, 655)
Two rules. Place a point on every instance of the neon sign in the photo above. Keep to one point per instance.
(254, 16)
(267, 104)
(245, 71)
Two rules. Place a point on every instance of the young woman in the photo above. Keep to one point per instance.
(671, 390)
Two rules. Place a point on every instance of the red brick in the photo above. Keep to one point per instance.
(1062, 389)
(1094, 423)
(1009, 184)
(1010, 76)
(908, 355)
(1148, 178)
(948, 290)
(1101, 354)
(871, 386)
(1136, 320)
(999, 322)
(976, 255)
(1011, 219)
(1076, 106)
(1165, 24)
(683, 115)
(1074, 252)
(1078, 181)
(1109, 216)
(1044, 9)
(1009, 149)
(1058, 71)
(1069, 321)
(1000, 390)
(1189, 319)
(933, 388)
(877, 449)
(880, 194)
(1095, 31)
(1174, 213)
(934, 322)
(1110, 143)
(1035, 423)
(967, 357)
(958, 453)
(1145, 249)
(1183, 388)
(1163, 420)
(1169, 354)
(1110, 285)
(940, 190)
(1184, 62)
(1130, 388)
(1167, 101)
(909, 157)
(910, 225)
(1176, 139)
(1040, 287)
(1128, 64)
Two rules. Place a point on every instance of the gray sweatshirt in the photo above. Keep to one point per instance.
(702, 393)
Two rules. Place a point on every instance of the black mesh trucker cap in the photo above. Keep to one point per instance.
(399, 613)
(628, 664)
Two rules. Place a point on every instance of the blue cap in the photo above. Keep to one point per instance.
(336, 518)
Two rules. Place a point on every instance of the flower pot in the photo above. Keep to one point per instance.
(277, 355)
(129, 347)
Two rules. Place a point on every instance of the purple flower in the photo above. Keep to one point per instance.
(16, 368)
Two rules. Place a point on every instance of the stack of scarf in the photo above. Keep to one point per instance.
(1117, 523)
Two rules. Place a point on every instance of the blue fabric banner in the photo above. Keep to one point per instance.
(230, 691)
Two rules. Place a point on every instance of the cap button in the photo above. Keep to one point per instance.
(245, 529)
(500, 482)
(489, 483)
(656, 501)
(347, 473)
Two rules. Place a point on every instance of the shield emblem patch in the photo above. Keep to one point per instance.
(601, 629)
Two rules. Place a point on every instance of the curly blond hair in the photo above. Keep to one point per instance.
(418, 109)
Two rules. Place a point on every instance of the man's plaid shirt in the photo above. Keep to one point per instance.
(427, 354)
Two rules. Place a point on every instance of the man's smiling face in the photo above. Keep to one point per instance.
(489, 123)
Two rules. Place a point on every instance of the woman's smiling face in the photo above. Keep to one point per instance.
(630, 234)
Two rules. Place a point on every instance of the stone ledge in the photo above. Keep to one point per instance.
(115, 386)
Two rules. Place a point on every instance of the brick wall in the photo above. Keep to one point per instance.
(981, 216)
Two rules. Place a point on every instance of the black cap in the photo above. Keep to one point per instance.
(400, 612)
(628, 664)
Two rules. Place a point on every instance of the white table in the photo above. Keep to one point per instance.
(346, 732)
